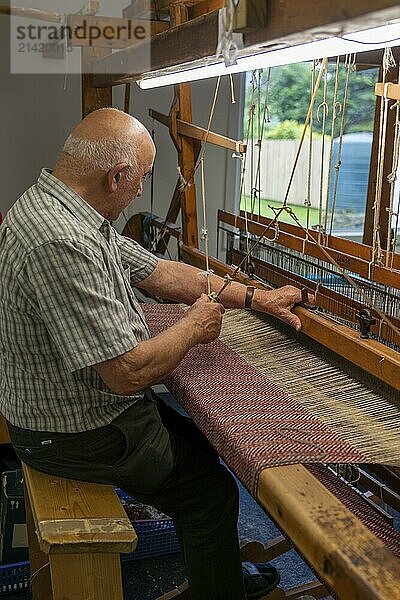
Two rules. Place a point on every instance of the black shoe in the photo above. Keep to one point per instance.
(259, 579)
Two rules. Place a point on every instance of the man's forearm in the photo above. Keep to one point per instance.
(150, 361)
(183, 283)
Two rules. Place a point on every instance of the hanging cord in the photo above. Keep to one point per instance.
(284, 206)
(388, 63)
(250, 120)
(307, 201)
(251, 136)
(263, 118)
(335, 108)
(152, 175)
(187, 182)
(325, 110)
(309, 113)
(350, 63)
(204, 232)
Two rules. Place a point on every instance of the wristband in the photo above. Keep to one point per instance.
(249, 297)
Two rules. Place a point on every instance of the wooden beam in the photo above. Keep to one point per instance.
(199, 133)
(383, 218)
(91, 8)
(349, 557)
(189, 41)
(113, 33)
(93, 98)
(30, 13)
(288, 21)
(204, 7)
(392, 90)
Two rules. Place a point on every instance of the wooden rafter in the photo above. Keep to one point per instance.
(289, 21)
(199, 133)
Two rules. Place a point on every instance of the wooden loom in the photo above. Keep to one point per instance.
(363, 567)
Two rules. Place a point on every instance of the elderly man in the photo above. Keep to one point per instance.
(76, 361)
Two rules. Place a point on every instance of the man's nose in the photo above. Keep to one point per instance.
(140, 190)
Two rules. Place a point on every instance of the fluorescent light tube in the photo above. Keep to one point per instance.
(360, 41)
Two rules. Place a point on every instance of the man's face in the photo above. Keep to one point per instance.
(129, 189)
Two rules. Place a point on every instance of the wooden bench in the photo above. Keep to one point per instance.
(76, 532)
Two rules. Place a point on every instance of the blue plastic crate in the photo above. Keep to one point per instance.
(14, 578)
(155, 537)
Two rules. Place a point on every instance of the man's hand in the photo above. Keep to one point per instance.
(279, 303)
(206, 318)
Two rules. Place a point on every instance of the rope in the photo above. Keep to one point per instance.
(309, 113)
(307, 201)
(325, 109)
(350, 65)
(334, 112)
(187, 182)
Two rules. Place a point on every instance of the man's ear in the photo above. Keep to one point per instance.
(114, 176)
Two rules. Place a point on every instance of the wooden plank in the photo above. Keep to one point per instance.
(93, 98)
(369, 355)
(289, 21)
(39, 561)
(199, 133)
(77, 576)
(392, 90)
(299, 22)
(373, 172)
(30, 13)
(349, 558)
(76, 516)
(205, 6)
(376, 273)
(113, 33)
(187, 42)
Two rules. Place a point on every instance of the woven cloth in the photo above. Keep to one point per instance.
(249, 420)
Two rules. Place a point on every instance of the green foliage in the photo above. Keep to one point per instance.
(289, 98)
(287, 130)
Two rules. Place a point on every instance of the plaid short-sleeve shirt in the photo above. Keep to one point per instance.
(66, 303)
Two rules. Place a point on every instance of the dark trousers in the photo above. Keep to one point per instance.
(160, 457)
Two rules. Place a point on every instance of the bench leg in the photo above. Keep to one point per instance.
(92, 576)
(40, 573)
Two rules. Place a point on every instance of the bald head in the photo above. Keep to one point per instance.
(108, 124)
(105, 158)
(105, 138)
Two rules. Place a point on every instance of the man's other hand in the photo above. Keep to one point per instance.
(279, 303)
(206, 318)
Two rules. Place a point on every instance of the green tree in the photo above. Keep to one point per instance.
(290, 92)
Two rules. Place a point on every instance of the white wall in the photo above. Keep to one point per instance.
(37, 114)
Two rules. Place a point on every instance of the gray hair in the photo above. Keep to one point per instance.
(103, 154)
